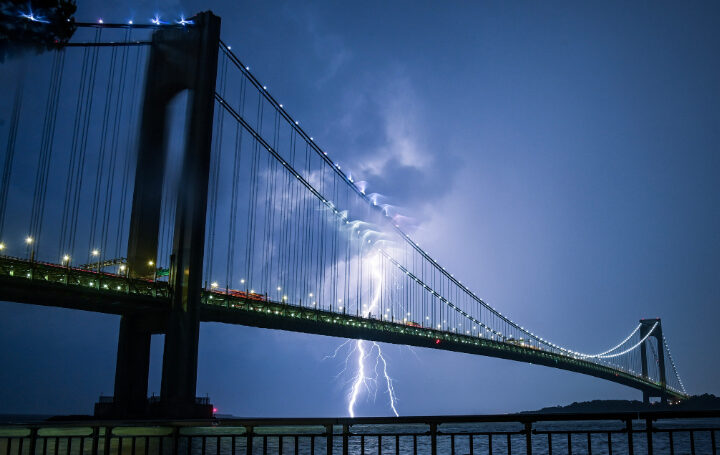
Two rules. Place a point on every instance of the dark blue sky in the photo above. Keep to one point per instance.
(561, 158)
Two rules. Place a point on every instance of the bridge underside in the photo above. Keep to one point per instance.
(52, 285)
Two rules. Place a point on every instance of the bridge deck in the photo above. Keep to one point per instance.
(49, 284)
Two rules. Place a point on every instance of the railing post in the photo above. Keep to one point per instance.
(33, 441)
(345, 438)
(528, 438)
(628, 427)
(648, 432)
(249, 441)
(95, 441)
(329, 439)
(108, 439)
(433, 438)
(175, 439)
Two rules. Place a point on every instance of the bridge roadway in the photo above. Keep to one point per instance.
(56, 285)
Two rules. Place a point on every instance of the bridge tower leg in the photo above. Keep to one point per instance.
(645, 327)
(132, 368)
(179, 376)
(180, 59)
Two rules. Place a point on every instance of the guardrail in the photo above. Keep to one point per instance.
(606, 433)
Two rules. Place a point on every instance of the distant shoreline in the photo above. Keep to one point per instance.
(706, 402)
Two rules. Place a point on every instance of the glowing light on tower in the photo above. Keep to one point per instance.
(33, 18)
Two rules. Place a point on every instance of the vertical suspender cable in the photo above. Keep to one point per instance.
(129, 155)
(100, 167)
(74, 147)
(82, 147)
(230, 263)
(10, 150)
(215, 178)
(110, 183)
(48, 133)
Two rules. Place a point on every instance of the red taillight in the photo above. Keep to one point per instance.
(437, 340)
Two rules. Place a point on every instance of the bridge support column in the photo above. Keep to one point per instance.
(133, 366)
(179, 377)
(180, 59)
(645, 327)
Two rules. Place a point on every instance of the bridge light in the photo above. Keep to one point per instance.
(66, 258)
(242, 281)
(279, 288)
(28, 240)
(281, 105)
(284, 297)
(213, 284)
(151, 263)
(130, 22)
(95, 252)
(100, 21)
(2, 246)
(122, 267)
(310, 295)
(252, 291)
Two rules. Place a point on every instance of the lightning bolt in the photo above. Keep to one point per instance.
(361, 380)
(388, 380)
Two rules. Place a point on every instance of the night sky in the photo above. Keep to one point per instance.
(560, 158)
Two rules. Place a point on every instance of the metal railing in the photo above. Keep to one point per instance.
(606, 433)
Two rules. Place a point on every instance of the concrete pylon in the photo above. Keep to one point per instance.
(645, 326)
(181, 58)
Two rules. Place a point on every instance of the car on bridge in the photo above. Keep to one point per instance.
(246, 295)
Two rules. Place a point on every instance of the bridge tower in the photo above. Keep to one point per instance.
(180, 59)
(646, 326)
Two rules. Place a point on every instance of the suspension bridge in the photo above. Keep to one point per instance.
(149, 174)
